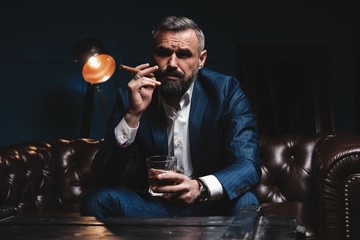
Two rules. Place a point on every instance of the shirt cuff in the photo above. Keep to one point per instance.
(214, 186)
(124, 134)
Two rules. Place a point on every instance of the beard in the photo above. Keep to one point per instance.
(178, 88)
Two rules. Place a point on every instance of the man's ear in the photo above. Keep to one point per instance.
(202, 58)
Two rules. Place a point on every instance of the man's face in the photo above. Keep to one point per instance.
(178, 58)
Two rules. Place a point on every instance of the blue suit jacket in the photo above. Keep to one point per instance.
(223, 138)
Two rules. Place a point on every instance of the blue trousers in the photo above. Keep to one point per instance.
(117, 202)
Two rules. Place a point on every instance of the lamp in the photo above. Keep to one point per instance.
(96, 67)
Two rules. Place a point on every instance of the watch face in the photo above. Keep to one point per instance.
(204, 192)
(204, 197)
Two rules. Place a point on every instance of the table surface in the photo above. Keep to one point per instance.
(245, 225)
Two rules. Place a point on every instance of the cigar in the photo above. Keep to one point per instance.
(133, 70)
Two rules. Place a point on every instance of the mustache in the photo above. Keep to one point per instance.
(173, 73)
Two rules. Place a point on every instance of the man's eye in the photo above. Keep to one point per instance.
(162, 52)
(183, 54)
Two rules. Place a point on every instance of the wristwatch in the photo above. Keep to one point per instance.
(204, 191)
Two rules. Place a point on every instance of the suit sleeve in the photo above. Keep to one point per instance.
(241, 143)
(110, 161)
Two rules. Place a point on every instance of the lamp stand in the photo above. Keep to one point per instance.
(103, 103)
(88, 109)
(89, 106)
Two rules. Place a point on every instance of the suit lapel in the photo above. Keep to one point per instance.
(198, 104)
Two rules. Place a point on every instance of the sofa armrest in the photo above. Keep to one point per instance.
(337, 191)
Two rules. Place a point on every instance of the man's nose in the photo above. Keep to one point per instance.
(173, 61)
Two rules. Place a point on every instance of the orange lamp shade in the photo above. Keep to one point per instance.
(98, 68)
(96, 65)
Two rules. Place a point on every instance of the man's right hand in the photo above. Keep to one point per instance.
(141, 90)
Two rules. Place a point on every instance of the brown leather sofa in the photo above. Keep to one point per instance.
(315, 178)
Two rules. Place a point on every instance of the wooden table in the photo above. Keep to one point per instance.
(246, 225)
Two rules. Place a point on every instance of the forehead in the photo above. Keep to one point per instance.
(177, 39)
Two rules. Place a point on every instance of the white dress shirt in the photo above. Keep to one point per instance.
(178, 140)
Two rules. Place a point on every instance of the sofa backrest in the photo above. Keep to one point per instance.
(38, 177)
(54, 175)
(27, 176)
(73, 174)
(287, 169)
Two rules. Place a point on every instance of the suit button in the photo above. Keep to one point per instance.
(238, 191)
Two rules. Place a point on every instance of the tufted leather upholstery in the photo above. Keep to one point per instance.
(27, 176)
(313, 178)
(286, 186)
(73, 160)
(46, 176)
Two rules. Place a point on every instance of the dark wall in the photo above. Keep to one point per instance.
(43, 93)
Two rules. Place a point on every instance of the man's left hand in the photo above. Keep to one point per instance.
(185, 190)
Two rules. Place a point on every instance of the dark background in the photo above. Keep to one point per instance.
(42, 92)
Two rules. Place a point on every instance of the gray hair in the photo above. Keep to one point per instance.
(177, 24)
